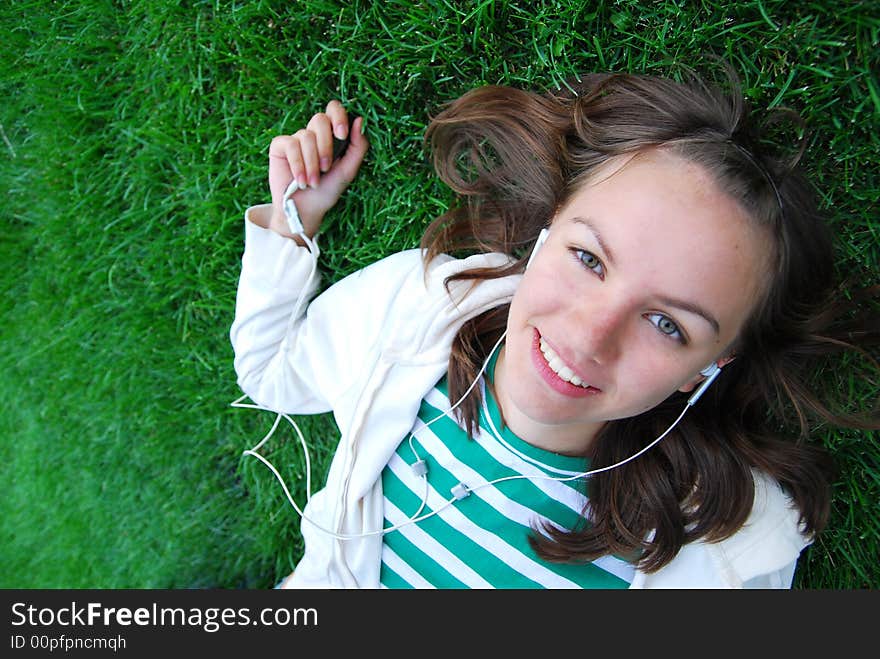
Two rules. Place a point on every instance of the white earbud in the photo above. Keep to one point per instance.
(711, 372)
(542, 238)
(420, 467)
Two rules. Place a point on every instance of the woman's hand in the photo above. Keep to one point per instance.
(307, 157)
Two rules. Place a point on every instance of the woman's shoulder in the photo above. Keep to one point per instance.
(762, 553)
(773, 533)
(406, 274)
(439, 268)
(408, 300)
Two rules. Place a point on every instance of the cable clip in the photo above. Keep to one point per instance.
(460, 491)
(290, 213)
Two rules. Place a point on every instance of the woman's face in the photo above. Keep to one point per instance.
(647, 277)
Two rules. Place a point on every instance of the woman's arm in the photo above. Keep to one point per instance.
(277, 273)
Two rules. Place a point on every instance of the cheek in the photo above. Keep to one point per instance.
(649, 380)
(525, 302)
(543, 288)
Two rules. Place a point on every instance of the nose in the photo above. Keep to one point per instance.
(599, 327)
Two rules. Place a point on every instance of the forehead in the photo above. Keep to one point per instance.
(668, 228)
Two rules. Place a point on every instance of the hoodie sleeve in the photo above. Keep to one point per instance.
(302, 363)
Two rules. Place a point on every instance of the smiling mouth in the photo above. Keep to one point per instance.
(557, 366)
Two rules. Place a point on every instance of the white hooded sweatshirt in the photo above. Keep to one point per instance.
(369, 349)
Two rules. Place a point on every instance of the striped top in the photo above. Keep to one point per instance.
(481, 541)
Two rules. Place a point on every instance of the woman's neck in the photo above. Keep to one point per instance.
(572, 439)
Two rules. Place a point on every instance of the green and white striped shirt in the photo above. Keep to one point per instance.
(481, 541)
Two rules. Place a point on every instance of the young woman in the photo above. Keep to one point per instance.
(579, 380)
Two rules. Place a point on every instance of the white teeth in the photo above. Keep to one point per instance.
(558, 367)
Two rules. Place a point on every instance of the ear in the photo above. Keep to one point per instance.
(689, 386)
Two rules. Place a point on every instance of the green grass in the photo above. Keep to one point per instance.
(133, 136)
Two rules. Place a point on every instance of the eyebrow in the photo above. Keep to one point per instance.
(668, 301)
(609, 255)
(692, 308)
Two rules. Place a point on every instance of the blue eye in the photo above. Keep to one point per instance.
(666, 326)
(589, 261)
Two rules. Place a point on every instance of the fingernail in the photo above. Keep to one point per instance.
(301, 181)
(339, 131)
(313, 181)
(363, 125)
(325, 164)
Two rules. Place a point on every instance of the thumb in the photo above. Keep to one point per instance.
(344, 170)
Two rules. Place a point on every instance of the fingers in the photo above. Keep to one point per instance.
(306, 157)
(358, 138)
(285, 150)
(300, 152)
(338, 118)
(318, 146)
(309, 151)
(354, 155)
(325, 126)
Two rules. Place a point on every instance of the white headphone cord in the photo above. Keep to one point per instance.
(463, 396)
(461, 490)
(296, 228)
(302, 441)
(416, 517)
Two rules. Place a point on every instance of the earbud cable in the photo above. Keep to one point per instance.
(461, 490)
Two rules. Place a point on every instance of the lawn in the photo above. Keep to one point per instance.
(133, 136)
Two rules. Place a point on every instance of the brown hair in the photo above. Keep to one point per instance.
(515, 157)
